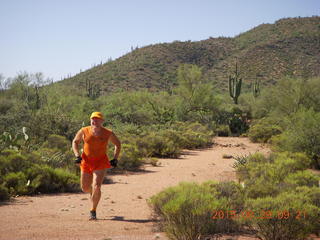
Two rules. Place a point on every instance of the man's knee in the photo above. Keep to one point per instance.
(96, 187)
(86, 188)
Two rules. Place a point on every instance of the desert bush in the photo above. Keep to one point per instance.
(265, 176)
(158, 142)
(45, 179)
(57, 141)
(289, 215)
(287, 97)
(159, 146)
(16, 183)
(302, 178)
(5, 105)
(223, 131)
(134, 108)
(290, 162)
(245, 165)
(238, 121)
(56, 158)
(193, 135)
(313, 196)
(130, 158)
(186, 210)
(168, 141)
(187, 213)
(18, 162)
(26, 173)
(4, 193)
(302, 135)
(263, 130)
(311, 193)
(67, 181)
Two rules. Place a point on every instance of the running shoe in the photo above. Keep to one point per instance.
(93, 215)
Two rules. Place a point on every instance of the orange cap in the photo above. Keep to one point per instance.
(97, 115)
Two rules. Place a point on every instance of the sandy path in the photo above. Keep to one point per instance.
(123, 212)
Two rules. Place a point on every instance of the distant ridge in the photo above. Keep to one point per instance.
(269, 52)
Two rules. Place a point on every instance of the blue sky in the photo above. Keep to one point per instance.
(60, 37)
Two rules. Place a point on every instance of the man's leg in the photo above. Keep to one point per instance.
(98, 177)
(86, 182)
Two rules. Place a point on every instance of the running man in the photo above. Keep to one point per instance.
(94, 160)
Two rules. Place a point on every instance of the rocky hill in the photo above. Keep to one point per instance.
(289, 47)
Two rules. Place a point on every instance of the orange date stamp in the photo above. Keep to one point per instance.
(263, 214)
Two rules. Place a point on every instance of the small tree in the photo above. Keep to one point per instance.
(197, 102)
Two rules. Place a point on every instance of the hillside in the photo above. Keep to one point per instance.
(289, 47)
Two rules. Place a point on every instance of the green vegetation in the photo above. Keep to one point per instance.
(26, 173)
(279, 192)
(287, 116)
(277, 205)
(187, 210)
(286, 216)
(278, 199)
(39, 122)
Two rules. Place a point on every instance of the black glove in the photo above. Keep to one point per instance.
(114, 162)
(78, 160)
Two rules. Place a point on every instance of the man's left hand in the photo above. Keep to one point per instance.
(114, 162)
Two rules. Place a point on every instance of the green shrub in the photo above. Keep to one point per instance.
(58, 142)
(193, 135)
(245, 166)
(302, 178)
(18, 162)
(135, 107)
(262, 131)
(303, 135)
(265, 176)
(16, 183)
(57, 158)
(311, 193)
(238, 124)
(186, 210)
(286, 97)
(130, 158)
(67, 181)
(187, 213)
(289, 162)
(234, 195)
(45, 179)
(223, 131)
(158, 145)
(4, 167)
(4, 193)
(286, 216)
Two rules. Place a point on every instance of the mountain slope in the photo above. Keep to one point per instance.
(289, 47)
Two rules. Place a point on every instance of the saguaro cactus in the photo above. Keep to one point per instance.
(235, 85)
(256, 88)
(93, 90)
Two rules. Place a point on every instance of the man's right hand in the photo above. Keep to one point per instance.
(78, 160)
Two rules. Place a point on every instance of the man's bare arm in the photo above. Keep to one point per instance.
(114, 139)
(76, 141)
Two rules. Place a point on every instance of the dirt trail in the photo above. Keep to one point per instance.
(123, 212)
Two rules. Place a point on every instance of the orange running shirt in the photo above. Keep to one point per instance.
(95, 146)
(94, 150)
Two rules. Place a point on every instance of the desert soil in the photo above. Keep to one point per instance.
(123, 212)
